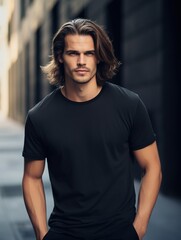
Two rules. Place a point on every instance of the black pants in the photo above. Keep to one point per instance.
(126, 234)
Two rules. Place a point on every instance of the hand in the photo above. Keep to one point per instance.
(140, 229)
(41, 236)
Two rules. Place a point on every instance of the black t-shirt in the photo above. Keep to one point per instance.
(88, 148)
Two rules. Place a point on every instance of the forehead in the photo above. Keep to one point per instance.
(79, 42)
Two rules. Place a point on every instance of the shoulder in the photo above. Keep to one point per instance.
(121, 94)
(44, 105)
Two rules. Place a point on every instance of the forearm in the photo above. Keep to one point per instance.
(148, 193)
(34, 198)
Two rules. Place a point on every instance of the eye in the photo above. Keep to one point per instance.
(90, 53)
(72, 53)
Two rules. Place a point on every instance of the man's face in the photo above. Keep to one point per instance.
(80, 63)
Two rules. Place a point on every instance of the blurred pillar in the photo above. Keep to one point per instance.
(27, 78)
(38, 63)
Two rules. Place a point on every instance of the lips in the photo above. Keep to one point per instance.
(81, 70)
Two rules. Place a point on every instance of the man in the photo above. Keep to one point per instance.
(88, 129)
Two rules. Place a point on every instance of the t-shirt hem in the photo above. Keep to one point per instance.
(143, 145)
(29, 157)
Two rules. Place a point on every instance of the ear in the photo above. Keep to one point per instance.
(60, 59)
(97, 60)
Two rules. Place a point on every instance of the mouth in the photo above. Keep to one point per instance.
(81, 70)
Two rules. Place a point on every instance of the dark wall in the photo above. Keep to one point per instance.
(151, 67)
(171, 100)
(114, 20)
(143, 57)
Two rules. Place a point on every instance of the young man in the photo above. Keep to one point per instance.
(88, 129)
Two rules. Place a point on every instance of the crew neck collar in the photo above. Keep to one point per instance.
(83, 102)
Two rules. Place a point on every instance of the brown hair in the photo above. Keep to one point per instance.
(108, 64)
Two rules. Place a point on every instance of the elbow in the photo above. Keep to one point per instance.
(23, 181)
(155, 172)
(24, 184)
(160, 175)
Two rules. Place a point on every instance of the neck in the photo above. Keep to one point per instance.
(81, 92)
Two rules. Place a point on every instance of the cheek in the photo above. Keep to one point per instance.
(68, 69)
(68, 64)
(95, 66)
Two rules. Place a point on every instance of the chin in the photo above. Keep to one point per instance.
(81, 81)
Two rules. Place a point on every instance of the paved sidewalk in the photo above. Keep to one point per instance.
(165, 223)
(14, 222)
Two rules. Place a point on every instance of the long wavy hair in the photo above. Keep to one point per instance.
(108, 64)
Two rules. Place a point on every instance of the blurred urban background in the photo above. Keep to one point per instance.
(146, 35)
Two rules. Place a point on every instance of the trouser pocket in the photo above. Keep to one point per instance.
(51, 235)
(47, 236)
(129, 233)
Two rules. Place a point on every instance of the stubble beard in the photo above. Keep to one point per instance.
(82, 82)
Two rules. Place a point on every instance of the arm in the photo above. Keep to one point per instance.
(34, 197)
(148, 159)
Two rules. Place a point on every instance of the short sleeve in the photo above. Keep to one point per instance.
(34, 148)
(142, 133)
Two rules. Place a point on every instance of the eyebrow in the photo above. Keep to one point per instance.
(75, 51)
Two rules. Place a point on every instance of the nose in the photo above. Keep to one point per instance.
(81, 60)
